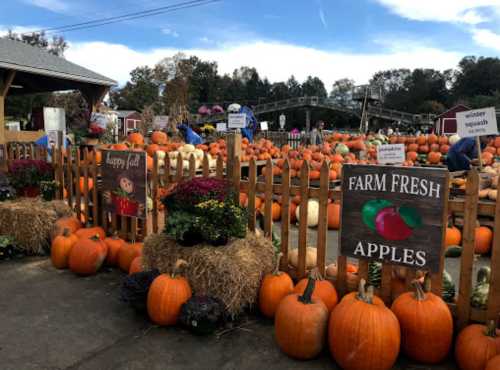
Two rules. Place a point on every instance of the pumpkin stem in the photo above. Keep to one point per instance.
(277, 267)
(491, 329)
(178, 265)
(115, 235)
(370, 292)
(315, 274)
(427, 283)
(362, 292)
(66, 232)
(306, 297)
(419, 290)
(95, 237)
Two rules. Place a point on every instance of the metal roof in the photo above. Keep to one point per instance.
(19, 56)
(125, 113)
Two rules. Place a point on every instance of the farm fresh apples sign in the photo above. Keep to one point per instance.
(394, 214)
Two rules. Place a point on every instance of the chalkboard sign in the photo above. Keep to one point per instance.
(394, 214)
(124, 182)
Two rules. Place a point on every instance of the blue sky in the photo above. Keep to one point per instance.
(329, 38)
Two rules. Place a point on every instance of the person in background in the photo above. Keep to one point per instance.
(396, 132)
(390, 131)
(317, 133)
(463, 153)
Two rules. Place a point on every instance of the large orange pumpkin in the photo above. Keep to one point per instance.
(487, 158)
(119, 146)
(152, 149)
(135, 138)
(159, 137)
(333, 216)
(453, 236)
(494, 363)
(70, 223)
(166, 295)
(300, 324)
(412, 156)
(483, 239)
(273, 289)
(476, 345)
(127, 253)
(60, 249)
(89, 231)
(136, 265)
(114, 244)
(426, 324)
(87, 255)
(323, 289)
(434, 157)
(363, 333)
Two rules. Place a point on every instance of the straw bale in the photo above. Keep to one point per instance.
(231, 273)
(30, 221)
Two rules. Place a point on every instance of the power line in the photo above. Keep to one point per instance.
(125, 17)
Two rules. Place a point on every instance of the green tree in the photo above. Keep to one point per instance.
(294, 87)
(313, 86)
(57, 45)
(476, 76)
(342, 91)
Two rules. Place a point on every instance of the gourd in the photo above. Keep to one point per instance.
(166, 296)
(312, 212)
(476, 345)
(273, 289)
(300, 324)
(323, 289)
(479, 296)
(374, 274)
(87, 255)
(426, 324)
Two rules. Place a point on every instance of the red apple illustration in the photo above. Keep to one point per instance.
(391, 226)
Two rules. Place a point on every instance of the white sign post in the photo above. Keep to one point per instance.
(476, 123)
(391, 154)
(237, 120)
(264, 126)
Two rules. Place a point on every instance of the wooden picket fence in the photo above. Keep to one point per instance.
(79, 177)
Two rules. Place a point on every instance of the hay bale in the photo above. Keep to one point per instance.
(231, 273)
(30, 221)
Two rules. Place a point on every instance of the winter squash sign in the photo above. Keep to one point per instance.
(394, 214)
(124, 182)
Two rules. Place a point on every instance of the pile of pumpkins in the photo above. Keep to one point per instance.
(491, 182)
(483, 240)
(363, 333)
(84, 250)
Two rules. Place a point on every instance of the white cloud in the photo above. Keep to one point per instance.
(274, 60)
(322, 17)
(52, 5)
(206, 40)
(486, 38)
(169, 32)
(456, 11)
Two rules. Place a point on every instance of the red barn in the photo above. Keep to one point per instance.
(128, 120)
(446, 123)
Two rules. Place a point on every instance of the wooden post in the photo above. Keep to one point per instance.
(308, 121)
(494, 293)
(479, 157)
(6, 79)
(233, 150)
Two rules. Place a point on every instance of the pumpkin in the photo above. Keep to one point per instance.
(300, 324)
(119, 146)
(127, 253)
(476, 345)
(60, 249)
(311, 254)
(312, 212)
(434, 157)
(352, 277)
(426, 324)
(135, 138)
(323, 289)
(453, 139)
(453, 236)
(494, 363)
(159, 137)
(166, 296)
(136, 265)
(114, 244)
(276, 211)
(333, 216)
(89, 231)
(273, 289)
(363, 333)
(90, 184)
(87, 255)
(70, 223)
(483, 239)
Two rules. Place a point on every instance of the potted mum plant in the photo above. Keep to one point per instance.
(25, 176)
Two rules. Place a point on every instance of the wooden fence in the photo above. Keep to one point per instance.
(73, 174)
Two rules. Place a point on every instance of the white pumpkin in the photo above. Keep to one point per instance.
(161, 163)
(173, 155)
(453, 139)
(198, 153)
(341, 149)
(311, 254)
(160, 154)
(312, 212)
(188, 148)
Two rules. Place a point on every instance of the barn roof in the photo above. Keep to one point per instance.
(19, 56)
(455, 108)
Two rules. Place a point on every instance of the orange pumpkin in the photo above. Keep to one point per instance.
(423, 149)
(60, 249)
(149, 163)
(412, 147)
(127, 253)
(476, 345)
(135, 138)
(70, 223)
(434, 157)
(114, 244)
(300, 324)
(166, 295)
(136, 265)
(119, 146)
(453, 236)
(276, 211)
(432, 139)
(333, 216)
(273, 289)
(243, 200)
(444, 148)
(426, 324)
(90, 184)
(152, 149)
(412, 156)
(159, 137)
(323, 289)
(89, 231)
(483, 239)
(487, 158)
(494, 363)
(363, 333)
(87, 255)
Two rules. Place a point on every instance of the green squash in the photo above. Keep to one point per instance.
(453, 251)
(375, 274)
